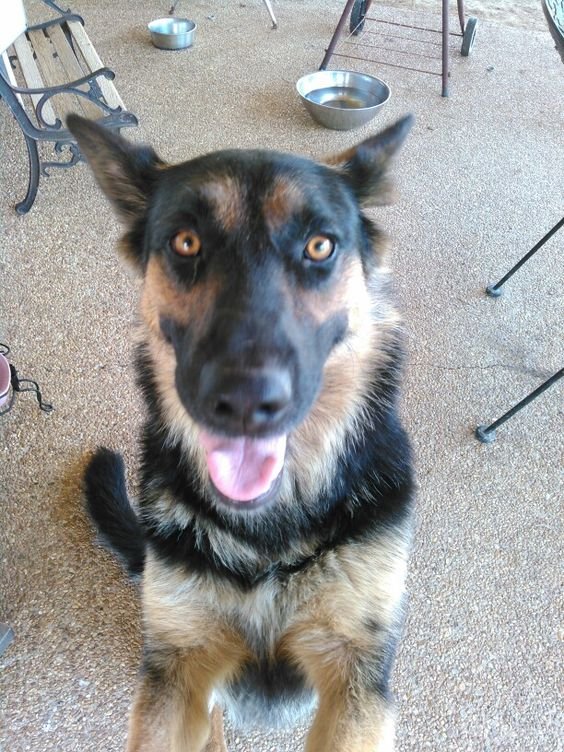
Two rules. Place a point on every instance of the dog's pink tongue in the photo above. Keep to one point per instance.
(243, 469)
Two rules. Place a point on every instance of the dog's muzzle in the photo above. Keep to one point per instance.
(242, 404)
(244, 401)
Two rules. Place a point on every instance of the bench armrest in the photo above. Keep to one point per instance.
(57, 22)
(66, 88)
(46, 93)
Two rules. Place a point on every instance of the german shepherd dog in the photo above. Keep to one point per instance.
(273, 526)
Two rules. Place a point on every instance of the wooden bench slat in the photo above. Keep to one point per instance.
(53, 72)
(51, 69)
(94, 62)
(32, 76)
(64, 52)
(73, 70)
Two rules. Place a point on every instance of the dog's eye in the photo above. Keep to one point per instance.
(319, 248)
(186, 243)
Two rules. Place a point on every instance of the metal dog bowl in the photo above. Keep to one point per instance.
(172, 33)
(342, 99)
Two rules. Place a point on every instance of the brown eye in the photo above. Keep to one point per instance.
(319, 248)
(186, 243)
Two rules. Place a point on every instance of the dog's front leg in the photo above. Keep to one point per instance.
(353, 718)
(345, 644)
(216, 741)
(350, 672)
(171, 708)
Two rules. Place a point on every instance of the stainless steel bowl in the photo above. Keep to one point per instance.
(342, 99)
(172, 33)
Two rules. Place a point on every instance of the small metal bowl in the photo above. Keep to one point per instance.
(342, 100)
(172, 33)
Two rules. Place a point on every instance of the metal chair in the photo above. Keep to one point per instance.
(554, 13)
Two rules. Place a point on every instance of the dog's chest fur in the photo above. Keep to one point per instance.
(187, 604)
(183, 609)
(326, 608)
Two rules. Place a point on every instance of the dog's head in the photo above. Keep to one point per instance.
(258, 297)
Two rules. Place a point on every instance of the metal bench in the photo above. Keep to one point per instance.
(47, 71)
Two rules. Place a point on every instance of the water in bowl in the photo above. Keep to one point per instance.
(342, 97)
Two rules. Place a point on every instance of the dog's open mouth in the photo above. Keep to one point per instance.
(244, 470)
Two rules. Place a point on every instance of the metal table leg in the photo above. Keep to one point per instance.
(6, 637)
(486, 434)
(494, 290)
(266, 2)
(271, 13)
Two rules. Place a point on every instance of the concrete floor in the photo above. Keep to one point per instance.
(481, 180)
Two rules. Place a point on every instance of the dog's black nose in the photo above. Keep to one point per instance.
(243, 400)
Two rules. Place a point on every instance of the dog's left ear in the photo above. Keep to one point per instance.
(365, 166)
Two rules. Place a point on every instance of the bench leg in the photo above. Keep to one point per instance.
(24, 206)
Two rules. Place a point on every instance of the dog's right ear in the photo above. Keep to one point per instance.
(125, 172)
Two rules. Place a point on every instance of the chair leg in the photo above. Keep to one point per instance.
(271, 14)
(445, 33)
(24, 206)
(486, 434)
(6, 637)
(495, 290)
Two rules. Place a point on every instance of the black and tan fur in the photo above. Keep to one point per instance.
(296, 604)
